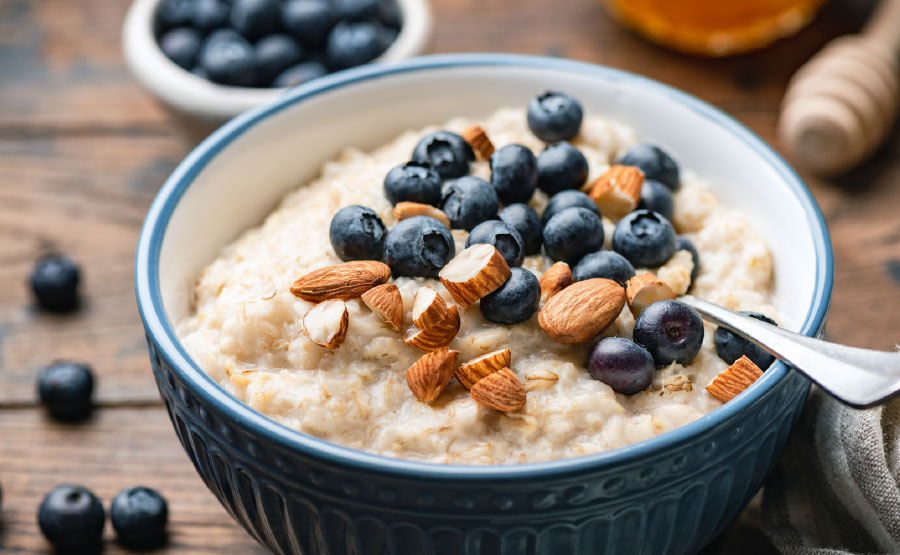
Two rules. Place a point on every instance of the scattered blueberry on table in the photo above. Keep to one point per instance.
(66, 390)
(621, 364)
(72, 518)
(274, 43)
(139, 516)
(730, 346)
(54, 282)
(515, 301)
(671, 331)
(503, 237)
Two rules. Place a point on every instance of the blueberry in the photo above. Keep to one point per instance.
(514, 173)
(210, 14)
(54, 283)
(568, 199)
(255, 18)
(228, 59)
(72, 519)
(468, 201)
(308, 20)
(174, 13)
(199, 72)
(525, 220)
(672, 332)
(413, 182)
(353, 43)
(645, 238)
(65, 389)
(274, 54)
(682, 243)
(389, 14)
(561, 166)
(655, 163)
(730, 346)
(657, 197)
(621, 364)
(572, 233)
(181, 45)
(418, 246)
(515, 301)
(445, 151)
(604, 264)
(360, 9)
(357, 233)
(139, 516)
(554, 116)
(299, 74)
(504, 237)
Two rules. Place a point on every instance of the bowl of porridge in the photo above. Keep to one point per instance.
(433, 307)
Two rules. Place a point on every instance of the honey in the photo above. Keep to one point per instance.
(714, 27)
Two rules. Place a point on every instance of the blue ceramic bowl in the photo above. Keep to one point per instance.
(299, 494)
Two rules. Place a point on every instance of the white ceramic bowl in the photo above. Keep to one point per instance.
(301, 494)
(212, 103)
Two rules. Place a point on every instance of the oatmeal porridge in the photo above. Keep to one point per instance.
(247, 327)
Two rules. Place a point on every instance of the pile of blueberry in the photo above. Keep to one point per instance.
(274, 43)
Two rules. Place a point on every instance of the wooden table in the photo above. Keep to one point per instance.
(83, 150)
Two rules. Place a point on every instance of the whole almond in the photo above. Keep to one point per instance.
(474, 273)
(439, 335)
(385, 301)
(582, 310)
(645, 289)
(501, 391)
(473, 371)
(428, 377)
(326, 323)
(429, 308)
(477, 138)
(406, 209)
(618, 191)
(341, 281)
(735, 379)
(555, 279)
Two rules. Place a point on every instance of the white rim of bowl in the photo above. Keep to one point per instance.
(188, 93)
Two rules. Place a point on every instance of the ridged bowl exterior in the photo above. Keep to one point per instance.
(672, 503)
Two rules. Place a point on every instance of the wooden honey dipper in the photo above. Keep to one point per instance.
(842, 103)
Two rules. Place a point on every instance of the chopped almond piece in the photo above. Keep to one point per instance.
(618, 191)
(736, 378)
(429, 308)
(385, 301)
(406, 209)
(645, 289)
(428, 377)
(474, 273)
(473, 371)
(326, 323)
(477, 138)
(437, 336)
(555, 279)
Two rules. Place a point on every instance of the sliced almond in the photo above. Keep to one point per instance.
(473, 371)
(474, 273)
(618, 191)
(405, 209)
(439, 335)
(341, 281)
(540, 379)
(501, 391)
(477, 138)
(555, 279)
(645, 289)
(326, 323)
(736, 378)
(429, 308)
(428, 377)
(582, 310)
(385, 301)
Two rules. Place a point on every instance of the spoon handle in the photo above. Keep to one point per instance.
(858, 377)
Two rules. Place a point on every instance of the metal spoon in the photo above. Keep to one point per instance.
(857, 377)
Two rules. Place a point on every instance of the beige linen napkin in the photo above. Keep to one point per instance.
(835, 491)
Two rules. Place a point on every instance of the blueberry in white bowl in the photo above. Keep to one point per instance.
(645, 238)
(299, 74)
(274, 54)
(657, 197)
(468, 201)
(554, 116)
(568, 199)
(604, 264)
(572, 233)
(418, 246)
(413, 182)
(656, 164)
(182, 45)
(622, 364)
(515, 301)
(503, 237)
(671, 331)
(514, 173)
(730, 346)
(357, 233)
(561, 166)
(445, 151)
(525, 220)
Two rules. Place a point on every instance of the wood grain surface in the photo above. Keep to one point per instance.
(83, 150)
